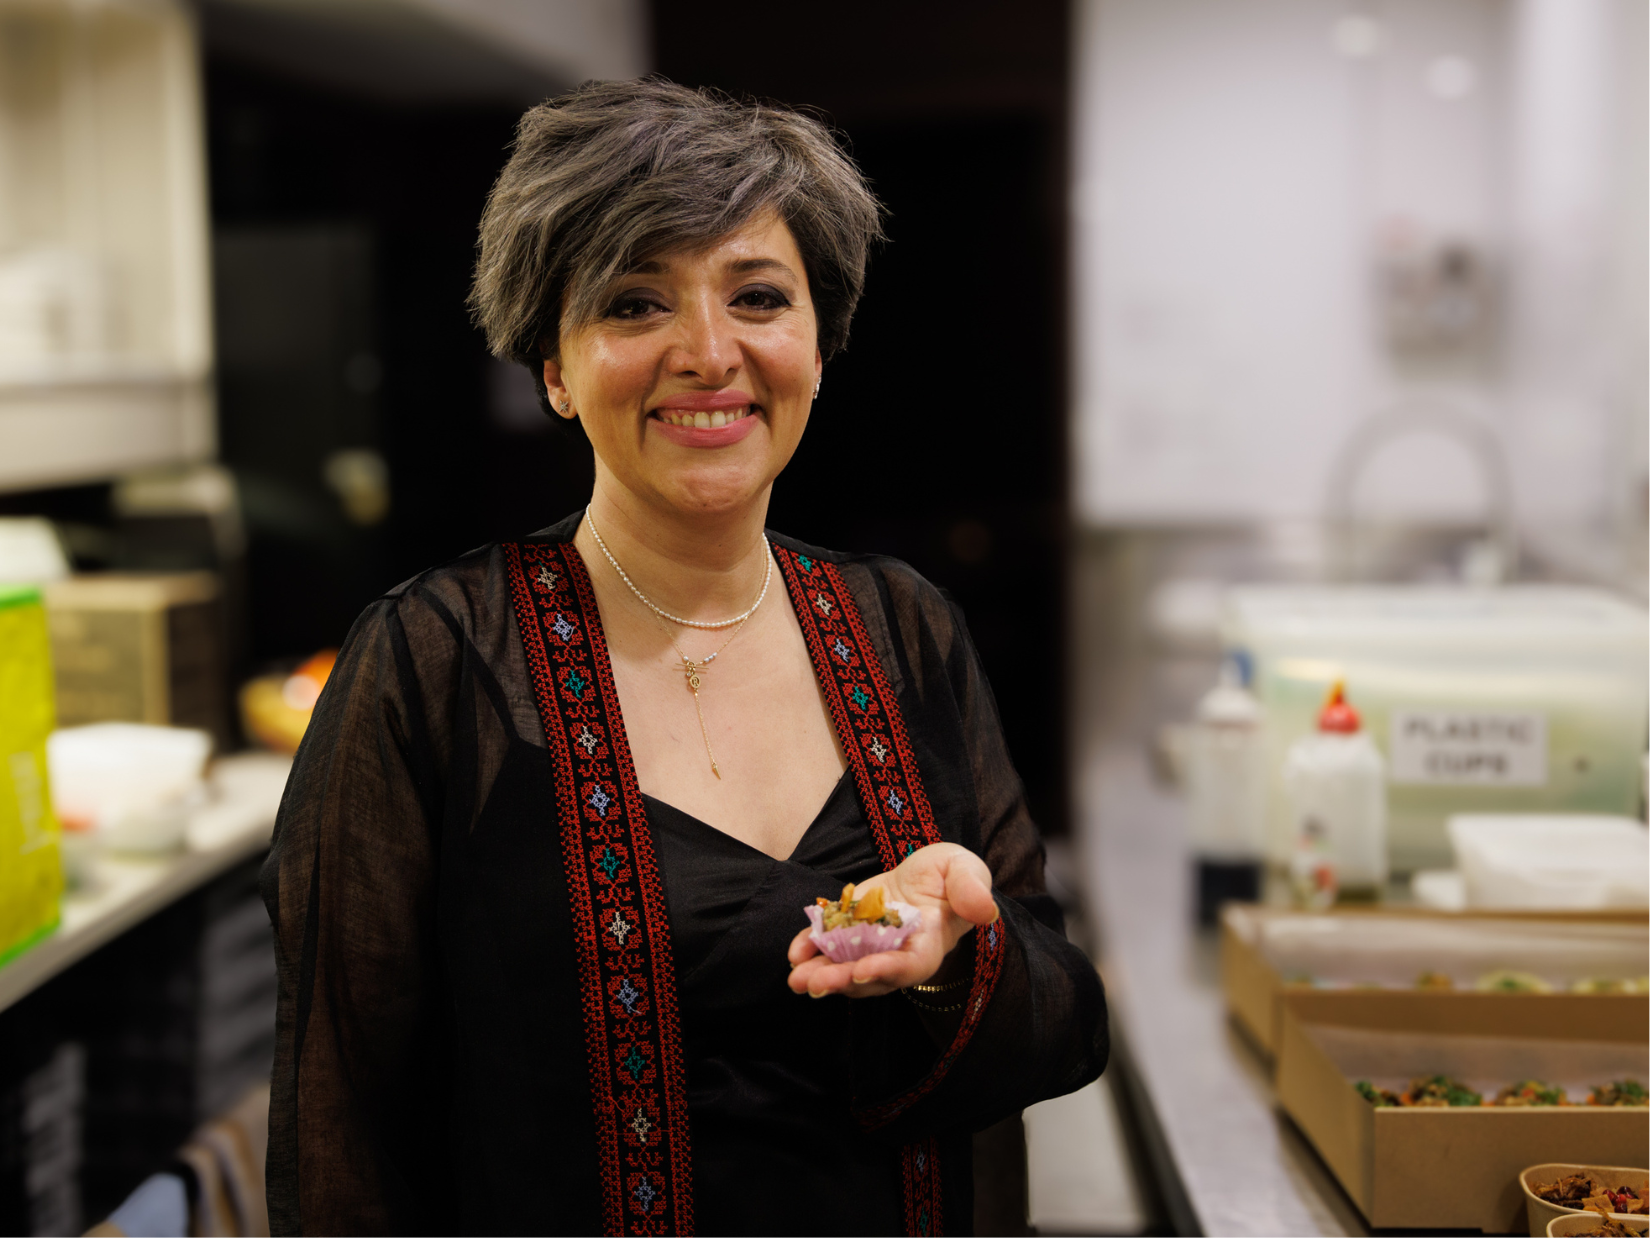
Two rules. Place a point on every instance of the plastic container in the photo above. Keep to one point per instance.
(1554, 863)
(1335, 781)
(130, 786)
(1514, 699)
(1226, 792)
(31, 870)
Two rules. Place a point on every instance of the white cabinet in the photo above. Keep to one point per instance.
(105, 326)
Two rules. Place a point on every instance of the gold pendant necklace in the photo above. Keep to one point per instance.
(691, 669)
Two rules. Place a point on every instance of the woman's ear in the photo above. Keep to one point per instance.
(560, 398)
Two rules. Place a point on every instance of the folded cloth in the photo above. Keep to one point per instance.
(158, 1208)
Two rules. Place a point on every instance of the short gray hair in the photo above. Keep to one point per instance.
(615, 173)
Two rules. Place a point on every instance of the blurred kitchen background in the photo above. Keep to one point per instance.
(1340, 301)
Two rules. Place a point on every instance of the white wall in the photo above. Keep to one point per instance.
(1241, 165)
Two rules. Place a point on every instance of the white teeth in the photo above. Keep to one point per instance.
(705, 421)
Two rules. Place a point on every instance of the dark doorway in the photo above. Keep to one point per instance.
(940, 435)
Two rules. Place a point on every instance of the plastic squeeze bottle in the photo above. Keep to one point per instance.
(1226, 786)
(1336, 783)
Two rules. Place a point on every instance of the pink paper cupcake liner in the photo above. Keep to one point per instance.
(844, 945)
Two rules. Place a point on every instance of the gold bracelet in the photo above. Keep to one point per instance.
(931, 1009)
(940, 988)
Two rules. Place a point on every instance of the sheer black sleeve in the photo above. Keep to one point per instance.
(1043, 1029)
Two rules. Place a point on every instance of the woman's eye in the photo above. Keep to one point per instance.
(630, 308)
(761, 299)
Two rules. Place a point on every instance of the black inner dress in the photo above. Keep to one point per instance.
(768, 1069)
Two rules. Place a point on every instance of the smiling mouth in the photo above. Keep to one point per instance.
(705, 421)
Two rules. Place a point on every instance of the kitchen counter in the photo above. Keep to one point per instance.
(1224, 1157)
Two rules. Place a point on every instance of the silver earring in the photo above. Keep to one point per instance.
(564, 406)
(818, 383)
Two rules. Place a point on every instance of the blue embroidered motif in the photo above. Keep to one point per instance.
(577, 683)
(991, 937)
(896, 803)
(609, 863)
(629, 995)
(860, 697)
(645, 1194)
(841, 650)
(599, 800)
(562, 628)
(806, 563)
(922, 1161)
(634, 1062)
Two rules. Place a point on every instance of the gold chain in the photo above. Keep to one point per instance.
(692, 669)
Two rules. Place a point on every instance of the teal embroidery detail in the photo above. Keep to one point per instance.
(805, 563)
(609, 863)
(634, 1062)
(860, 697)
(578, 683)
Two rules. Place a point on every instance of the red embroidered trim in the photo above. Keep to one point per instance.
(862, 706)
(920, 1174)
(869, 724)
(622, 930)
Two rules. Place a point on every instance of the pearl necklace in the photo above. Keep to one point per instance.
(767, 577)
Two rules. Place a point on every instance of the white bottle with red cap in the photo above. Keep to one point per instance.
(1336, 783)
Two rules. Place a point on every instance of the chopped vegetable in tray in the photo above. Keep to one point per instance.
(1438, 1092)
(1512, 982)
(1623, 1093)
(1529, 1092)
(1379, 1097)
(849, 910)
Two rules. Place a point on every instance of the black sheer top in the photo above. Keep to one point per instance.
(769, 1078)
(431, 1058)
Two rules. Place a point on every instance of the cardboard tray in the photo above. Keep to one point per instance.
(1456, 1168)
(1253, 988)
(1542, 1214)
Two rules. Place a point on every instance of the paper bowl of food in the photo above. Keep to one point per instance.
(1558, 1190)
(1592, 1223)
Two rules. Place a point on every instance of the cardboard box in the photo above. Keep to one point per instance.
(1457, 1168)
(139, 647)
(1391, 947)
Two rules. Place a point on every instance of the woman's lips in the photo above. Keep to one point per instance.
(719, 428)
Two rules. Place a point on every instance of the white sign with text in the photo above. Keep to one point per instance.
(1439, 746)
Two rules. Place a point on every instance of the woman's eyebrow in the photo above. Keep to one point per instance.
(746, 266)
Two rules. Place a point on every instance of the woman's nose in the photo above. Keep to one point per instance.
(707, 346)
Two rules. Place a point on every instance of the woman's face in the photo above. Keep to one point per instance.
(695, 384)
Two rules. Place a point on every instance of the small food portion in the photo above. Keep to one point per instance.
(1623, 1093)
(1604, 984)
(1585, 1193)
(1527, 1093)
(1379, 1097)
(1570, 1191)
(1434, 981)
(849, 928)
(1512, 982)
(1615, 1229)
(849, 910)
(1438, 1092)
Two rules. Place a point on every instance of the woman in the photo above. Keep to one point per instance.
(539, 876)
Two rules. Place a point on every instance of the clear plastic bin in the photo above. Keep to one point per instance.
(1522, 699)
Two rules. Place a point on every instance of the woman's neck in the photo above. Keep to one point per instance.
(704, 567)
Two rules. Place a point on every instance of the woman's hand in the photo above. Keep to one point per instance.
(950, 884)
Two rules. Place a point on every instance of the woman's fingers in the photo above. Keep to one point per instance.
(802, 947)
(968, 889)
